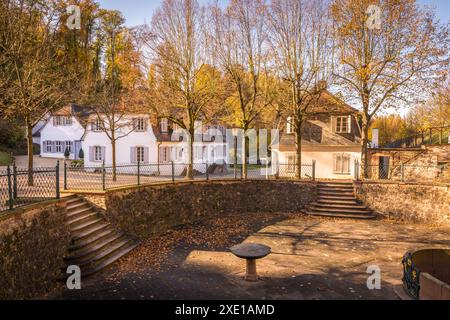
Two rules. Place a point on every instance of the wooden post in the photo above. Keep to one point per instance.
(65, 175)
(173, 172)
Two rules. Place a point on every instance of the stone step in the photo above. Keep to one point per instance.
(88, 232)
(338, 206)
(336, 185)
(340, 201)
(335, 194)
(337, 215)
(341, 211)
(111, 259)
(90, 250)
(339, 190)
(338, 197)
(72, 199)
(92, 239)
(87, 225)
(102, 254)
(75, 206)
(81, 219)
(73, 214)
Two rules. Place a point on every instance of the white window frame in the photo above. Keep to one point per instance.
(340, 121)
(98, 154)
(63, 120)
(139, 124)
(97, 125)
(339, 163)
(140, 154)
(59, 147)
(48, 147)
(68, 145)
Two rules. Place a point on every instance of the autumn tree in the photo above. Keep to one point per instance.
(389, 53)
(185, 86)
(300, 37)
(112, 96)
(238, 36)
(33, 77)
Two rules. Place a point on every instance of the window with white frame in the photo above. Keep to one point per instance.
(140, 157)
(342, 124)
(164, 154)
(341, 163)
(98, 154)
(62, 120)
(68, 146)
(59, 147)
(48, 146)
(164, 125)
(139, 124)
(97, 125)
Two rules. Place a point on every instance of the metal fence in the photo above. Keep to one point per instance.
(19, 187)
(405, 173)
(103, 177)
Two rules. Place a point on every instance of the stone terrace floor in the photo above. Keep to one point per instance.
(312, 258)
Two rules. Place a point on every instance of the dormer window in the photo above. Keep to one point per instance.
(97, 125)
(343, 124)
(139, 125)
(164, 125)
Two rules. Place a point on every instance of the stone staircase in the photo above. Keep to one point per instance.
(95, 244)
(337, 199)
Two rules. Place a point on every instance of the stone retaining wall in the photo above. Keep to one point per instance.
(408, 202)
(33, 242)
(154, 209)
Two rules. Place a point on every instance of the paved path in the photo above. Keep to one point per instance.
(312, 259)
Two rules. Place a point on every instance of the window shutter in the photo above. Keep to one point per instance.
(92, 125)
(103, 153)
(146, 153)
(91, 154)
(133, 155)
(349, 126)
(145, 124)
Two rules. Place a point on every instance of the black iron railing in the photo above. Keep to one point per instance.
(102, 177)
(19, 187)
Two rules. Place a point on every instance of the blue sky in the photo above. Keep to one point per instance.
(139, 11)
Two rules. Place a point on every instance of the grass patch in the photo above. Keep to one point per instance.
(5, 158)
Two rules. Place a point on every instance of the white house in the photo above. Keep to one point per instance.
(77, 127)
(62, 130)
(331, 137)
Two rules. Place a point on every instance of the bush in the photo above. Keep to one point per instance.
(81, 154)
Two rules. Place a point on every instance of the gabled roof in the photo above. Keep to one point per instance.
(330, 103)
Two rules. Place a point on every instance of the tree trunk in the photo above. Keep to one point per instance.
(30, 151)
(114, 165)
(298, 149)
(190, 166)
(364, 147)
(244, 155)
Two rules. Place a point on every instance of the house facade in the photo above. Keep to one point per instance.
(76, 128)
(62, 130)
(331, 137)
